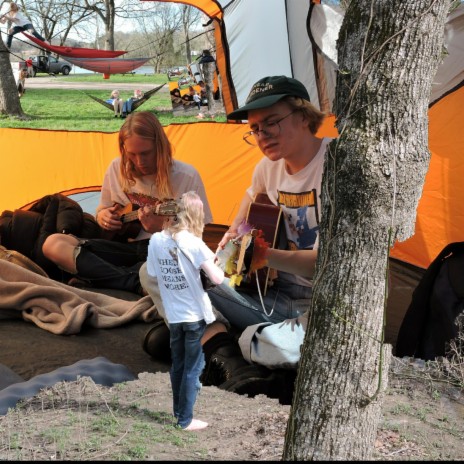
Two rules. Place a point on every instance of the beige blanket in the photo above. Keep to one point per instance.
(62, 309)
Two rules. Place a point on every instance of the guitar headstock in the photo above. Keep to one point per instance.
(167, 208)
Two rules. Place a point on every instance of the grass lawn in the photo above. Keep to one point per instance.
(72, 109)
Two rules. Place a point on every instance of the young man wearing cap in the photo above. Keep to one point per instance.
(283, 125)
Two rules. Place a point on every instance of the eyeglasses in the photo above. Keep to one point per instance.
(270, 128)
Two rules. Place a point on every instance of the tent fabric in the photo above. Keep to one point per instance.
(217, 150)
(440, 213)
(211, 8)
(108, 65)
(450, 74)
(79, 159)
(76, 52)
(248, 47)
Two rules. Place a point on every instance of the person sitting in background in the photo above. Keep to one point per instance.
(117, 103)
(176, 98)
(21, 23)
(127, 106)
(188, 99)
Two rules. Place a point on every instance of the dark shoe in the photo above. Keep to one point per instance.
(222, 357)
(278, 384)
(156, 342)
(227, 369)
(220, 368)
(115, 115)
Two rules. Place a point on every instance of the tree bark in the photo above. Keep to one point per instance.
(208, 70)
(107, 15)
(388, 54)
(9, 99)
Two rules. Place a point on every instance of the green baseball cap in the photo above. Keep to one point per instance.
(268, 91)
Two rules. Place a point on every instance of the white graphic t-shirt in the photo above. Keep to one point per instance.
(178, 275)
(184, 177)
(298, 196)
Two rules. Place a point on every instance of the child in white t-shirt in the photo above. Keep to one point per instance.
(175, 256)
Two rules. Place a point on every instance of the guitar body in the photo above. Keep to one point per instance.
(130, 225)
(263, 215)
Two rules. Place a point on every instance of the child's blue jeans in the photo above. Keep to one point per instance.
(188, 362)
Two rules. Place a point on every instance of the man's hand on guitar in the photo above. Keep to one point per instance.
(109, 218)
(150, 222)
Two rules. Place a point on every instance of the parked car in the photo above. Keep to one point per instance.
(48, 64)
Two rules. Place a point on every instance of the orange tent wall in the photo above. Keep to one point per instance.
(39, 162)
(440, 214)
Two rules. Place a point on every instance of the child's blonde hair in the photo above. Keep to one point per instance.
(115, 94)
(191, 216)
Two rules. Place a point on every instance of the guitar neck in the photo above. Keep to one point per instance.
(163, 209)
(129, 217)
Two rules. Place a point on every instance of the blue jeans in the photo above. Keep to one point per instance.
(188, 362)
(283, 300)
(127, 105)
(18, 29)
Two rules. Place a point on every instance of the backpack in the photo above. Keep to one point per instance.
(430, 321)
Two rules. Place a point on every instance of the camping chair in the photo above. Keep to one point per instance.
(135, 104)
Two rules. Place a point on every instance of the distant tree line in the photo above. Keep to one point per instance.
(167, 32)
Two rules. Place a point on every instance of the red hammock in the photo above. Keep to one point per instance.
(76, 52)
(108, 65)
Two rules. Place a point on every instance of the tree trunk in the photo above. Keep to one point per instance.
(388, 54)
(109, 24)
(208, 70)
(9, 99)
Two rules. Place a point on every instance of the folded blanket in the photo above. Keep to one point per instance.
(61, 309)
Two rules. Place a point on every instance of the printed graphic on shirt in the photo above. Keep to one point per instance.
(301, 217)
(171, 274)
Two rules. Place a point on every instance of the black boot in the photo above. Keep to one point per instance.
(156, 342)
(227, 369)
(279, 384)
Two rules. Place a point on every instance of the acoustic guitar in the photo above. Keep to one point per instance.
(128, 215)
(265, 216)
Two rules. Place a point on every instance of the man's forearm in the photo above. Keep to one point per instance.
(299, 262)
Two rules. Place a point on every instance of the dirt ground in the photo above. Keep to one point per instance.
(422, 420)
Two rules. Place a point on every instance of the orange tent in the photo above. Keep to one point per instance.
(63, 160)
